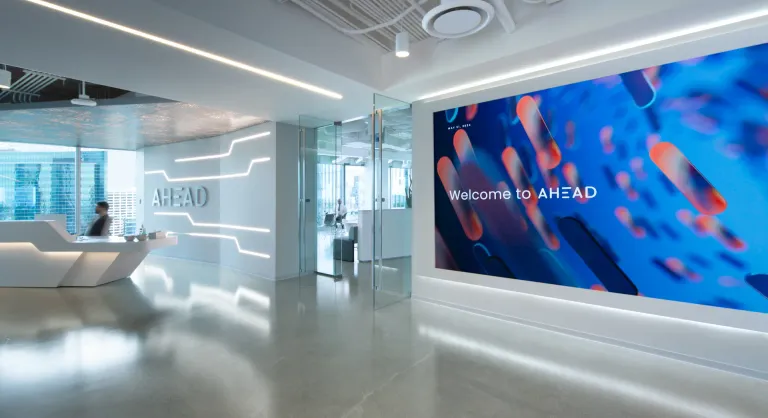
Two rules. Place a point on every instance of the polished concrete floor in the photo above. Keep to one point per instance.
(184, 339)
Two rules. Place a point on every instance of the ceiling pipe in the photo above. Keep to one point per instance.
(21, 87)
(394, 21)
(26, 88)
(33, 88)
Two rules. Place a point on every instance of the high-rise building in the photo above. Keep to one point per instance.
(43, 182)
(92, 183)
(122, 208)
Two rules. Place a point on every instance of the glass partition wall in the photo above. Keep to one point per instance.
(391, 191)
(321, 209)
(355, 198)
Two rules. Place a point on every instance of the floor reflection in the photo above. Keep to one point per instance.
(185, 339)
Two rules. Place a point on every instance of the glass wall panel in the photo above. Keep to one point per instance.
(391, 150)
(37, 180)
(110, 176)
(321, 198)
(399, 186)
(353, 190)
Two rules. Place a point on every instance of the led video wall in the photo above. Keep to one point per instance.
(651, 183)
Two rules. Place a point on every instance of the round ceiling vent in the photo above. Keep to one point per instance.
(457, 18)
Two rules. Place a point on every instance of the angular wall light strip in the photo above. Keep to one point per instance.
(226, 154)
(211, 225)
(199, 52)
(603, 52)
(231, 238)
(219, 177)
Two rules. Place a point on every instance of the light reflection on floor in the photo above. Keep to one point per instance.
(185, 339)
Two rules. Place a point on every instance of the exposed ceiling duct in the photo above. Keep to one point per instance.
(27, 88)
(379, 21)
(31, 86)
(383, 22)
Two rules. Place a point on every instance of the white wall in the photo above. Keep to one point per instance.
(250, 201)
(286, 201)
(162, 158)
(724, 338)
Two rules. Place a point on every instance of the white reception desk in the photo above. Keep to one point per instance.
(43, 254)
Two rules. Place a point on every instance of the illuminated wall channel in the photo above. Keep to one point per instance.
(237, 227)
(679, 183)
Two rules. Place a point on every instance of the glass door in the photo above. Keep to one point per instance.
(322, 213)
(391, 156)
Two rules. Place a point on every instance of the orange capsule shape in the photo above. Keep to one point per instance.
(606, 139)
(625, 183)
(517, 173)
(625, 217)
(691, 183)
(538, 133)
(571, 174)
(540, 223)
(471, 111)
(463, 146)
(467, 216)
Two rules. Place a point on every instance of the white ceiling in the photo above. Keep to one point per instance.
(285, 39)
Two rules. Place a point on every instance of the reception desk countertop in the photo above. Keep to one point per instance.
(43, 254)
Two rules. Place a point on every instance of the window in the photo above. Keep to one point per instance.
(109, 175)
(42, 179)
(328, 189)
(399, 183)
(353, 181)
(37, 179)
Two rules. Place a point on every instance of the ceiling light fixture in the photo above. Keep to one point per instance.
(602, 52)
(402, 45)
(199, 52)
(459, 18)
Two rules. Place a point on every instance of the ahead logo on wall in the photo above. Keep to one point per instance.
(181, 196)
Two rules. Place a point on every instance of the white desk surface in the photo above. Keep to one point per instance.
(49, 236)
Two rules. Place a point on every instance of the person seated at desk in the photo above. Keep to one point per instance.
(341, 213)
(99, 226)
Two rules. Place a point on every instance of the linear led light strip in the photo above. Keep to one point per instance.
(211, 225)
(199, 52)
(219, 177)
(226, 154)
(231, 238)
(603, 52)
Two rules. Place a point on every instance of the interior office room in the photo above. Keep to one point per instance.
(379, 208)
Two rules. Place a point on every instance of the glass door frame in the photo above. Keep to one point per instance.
(308, 207)
(395, 285)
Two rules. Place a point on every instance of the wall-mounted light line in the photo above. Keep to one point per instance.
(226, 154)
(230, 238)
(212, 225)
(218, 177)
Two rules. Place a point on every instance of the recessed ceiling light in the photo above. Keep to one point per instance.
(199, 52)
(602, 52)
